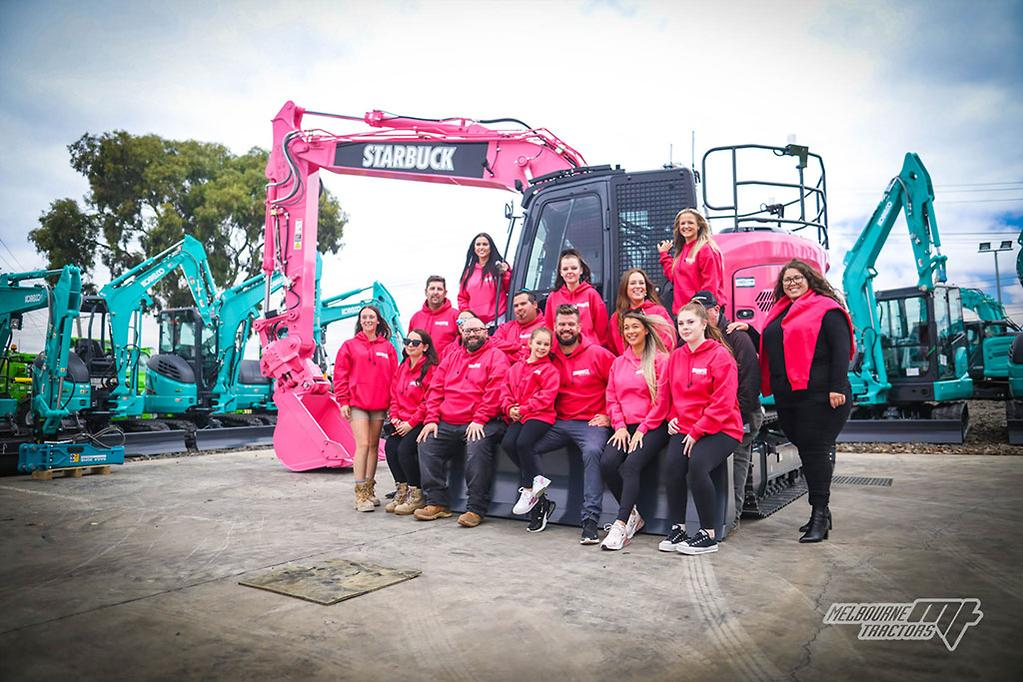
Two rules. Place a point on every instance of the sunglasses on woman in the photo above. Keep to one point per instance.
(415, 343)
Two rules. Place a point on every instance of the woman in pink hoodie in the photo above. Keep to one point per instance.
(632, 385)
(697, 262)
(363, 370)
(573, 287)
(485, 280)
(637, 293)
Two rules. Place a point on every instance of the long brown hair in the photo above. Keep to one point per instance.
(703, 235)
(652, 345)
(814, 280)
(585, 274)
(623, 304)
(711, 331)
(382, 328)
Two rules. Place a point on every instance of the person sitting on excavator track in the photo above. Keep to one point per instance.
(513, 336)
(462, 411)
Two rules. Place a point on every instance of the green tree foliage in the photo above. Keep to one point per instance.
(146, 192)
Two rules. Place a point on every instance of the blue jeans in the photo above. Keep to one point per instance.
(590, 440)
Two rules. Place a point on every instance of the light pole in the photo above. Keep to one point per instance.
(985, 247)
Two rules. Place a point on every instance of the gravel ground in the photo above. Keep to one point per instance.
(988, 435)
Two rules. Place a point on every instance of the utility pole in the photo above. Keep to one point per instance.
(985, 247)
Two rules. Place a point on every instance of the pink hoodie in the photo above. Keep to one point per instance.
(513, 338)
(439, 324)
(363, 371)
(592, 311)
(467, 386)
(533, 387)
(479, 295)
(628, 396)
(666, 331)
(707, 271)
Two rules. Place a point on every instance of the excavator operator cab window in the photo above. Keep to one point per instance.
(906, 336)
(575, 223)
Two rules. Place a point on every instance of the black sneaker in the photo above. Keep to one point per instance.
(701, 543)
(675, 538)
(538, 516)
(589, 534)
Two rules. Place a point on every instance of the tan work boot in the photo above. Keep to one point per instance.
(371, 492)
(432, 512)
(362, 501)
(413, 501)
(470, 519)
(399, 497)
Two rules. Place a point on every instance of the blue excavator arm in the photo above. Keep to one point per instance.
(16, 299)
(340, 307)
(911, 193)
(128, 294)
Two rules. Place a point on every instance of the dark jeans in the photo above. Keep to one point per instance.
(692, 474)
(621, 470)
(403, 457)
(741, 459)
(590, 440)
(520, 443)
(813, 427)
(479, 463)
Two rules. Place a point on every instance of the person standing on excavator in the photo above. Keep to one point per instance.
(363, 371)
(572, 287)
(437, 316)
(697, 262)
(486, 276)
(514, 335)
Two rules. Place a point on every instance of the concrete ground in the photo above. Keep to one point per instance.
(134, 576)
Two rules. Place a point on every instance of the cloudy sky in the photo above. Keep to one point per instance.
(623, 82)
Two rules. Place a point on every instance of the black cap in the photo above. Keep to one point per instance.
(706, 298)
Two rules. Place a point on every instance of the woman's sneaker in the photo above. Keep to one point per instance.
(616, 538)
(634, 524)
(540, 484)
(527, 500)
(539, 515)
(675, 538)
(701, 543)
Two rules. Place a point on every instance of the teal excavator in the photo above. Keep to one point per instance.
(990, 338)
(911, 378)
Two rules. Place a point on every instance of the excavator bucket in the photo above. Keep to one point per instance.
(310, 432)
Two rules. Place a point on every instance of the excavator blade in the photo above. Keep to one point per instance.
(310, 432)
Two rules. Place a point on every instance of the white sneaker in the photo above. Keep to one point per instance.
(616, 537)
(634, 524)
(540, 484)
(527, 500)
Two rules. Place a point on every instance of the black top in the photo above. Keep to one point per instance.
(829, 370)
(745, 351)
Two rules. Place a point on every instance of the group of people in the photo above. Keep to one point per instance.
(619, 389)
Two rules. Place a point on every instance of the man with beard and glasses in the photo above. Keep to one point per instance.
(580, 409)
(462, 415)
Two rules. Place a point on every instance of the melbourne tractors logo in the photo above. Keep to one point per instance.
(946, 619)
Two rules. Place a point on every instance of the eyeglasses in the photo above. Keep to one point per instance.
(415, 343)
(795, 279)
(476, 330)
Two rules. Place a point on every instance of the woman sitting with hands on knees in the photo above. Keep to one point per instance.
(636, 377)
(701, 405)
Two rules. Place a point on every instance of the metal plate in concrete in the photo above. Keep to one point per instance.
(328, 582)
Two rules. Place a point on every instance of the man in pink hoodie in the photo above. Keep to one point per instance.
(513, 336)
(463, 407)
(581, 409)
(437, 317)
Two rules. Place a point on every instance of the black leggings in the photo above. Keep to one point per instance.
(692, 474)
(813, 427)
(621, 470)
(403, 457)
(520, 443)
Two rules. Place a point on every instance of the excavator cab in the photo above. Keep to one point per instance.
(923, 340)
(179, 376)
(93, 347)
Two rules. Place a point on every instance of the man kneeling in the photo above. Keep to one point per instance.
(461, 412)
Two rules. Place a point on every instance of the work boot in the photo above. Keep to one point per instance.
(413, 501)
(399, 497)
(806, 526)
(820, 519)
(371, 492)
(432, 512)
(470, 519)
(362, 501)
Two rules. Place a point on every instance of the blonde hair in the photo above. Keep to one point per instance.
(711, 331)
(704, 236)
(652, 345)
